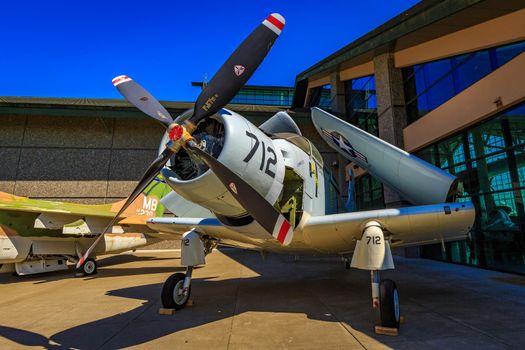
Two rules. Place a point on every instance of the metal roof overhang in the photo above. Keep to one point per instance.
(106, 108)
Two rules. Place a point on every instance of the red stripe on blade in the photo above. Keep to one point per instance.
(285, 226)
(117, 79)
(275, 22)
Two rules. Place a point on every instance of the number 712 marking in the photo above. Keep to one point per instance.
(373, 240)
(270, 161)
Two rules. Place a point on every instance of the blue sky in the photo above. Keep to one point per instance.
(74, 48)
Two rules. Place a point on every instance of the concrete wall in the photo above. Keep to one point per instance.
(89, 160)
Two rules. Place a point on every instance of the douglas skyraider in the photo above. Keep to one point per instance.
(264, 186)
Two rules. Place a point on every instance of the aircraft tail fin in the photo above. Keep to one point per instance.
(148, 202)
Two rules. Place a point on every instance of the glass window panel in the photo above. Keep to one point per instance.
(506, 53)
(473, 68)
(435, 71)
(451, 153)
(429, 85)
(500, 181)
(487, 139)
(496, 240)
(516, 118)
(427, 154)
(501, 211)
(439, 92)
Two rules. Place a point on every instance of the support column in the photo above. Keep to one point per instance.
(337, 94)
(338, 106)
(391, 110)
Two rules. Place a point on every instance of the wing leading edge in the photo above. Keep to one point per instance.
(337, 234)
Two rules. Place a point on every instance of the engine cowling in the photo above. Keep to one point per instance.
(240, 146)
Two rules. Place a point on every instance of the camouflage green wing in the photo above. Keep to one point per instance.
(9, 202)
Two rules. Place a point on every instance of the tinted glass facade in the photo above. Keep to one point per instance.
(429, 85)
(273, 96)
(368, 193)
(331, 191)
(320, 97)
(361, 104)
(489, 160)
(361, 111)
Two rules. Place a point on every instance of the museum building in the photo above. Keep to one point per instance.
(444, 80)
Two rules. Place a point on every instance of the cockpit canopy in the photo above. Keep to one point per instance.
(303, 143)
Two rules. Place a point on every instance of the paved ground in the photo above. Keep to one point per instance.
(243, 302)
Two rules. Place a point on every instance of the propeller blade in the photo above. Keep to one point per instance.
(148, 176)
(255, 204)
(238, 68)
(143, 100)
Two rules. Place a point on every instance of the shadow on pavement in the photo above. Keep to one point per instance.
(104, 263)
(274, 291)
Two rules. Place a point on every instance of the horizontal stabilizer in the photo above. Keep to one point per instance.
(417, 181)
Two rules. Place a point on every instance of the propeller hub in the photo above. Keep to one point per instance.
(176, 132)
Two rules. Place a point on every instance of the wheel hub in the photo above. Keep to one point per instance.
(179, 294)
(89, 267)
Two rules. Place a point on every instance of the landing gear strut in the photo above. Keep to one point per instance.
(177, 288)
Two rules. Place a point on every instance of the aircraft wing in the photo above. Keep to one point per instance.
(174, 227)
(416, 180)
(73, 218)
(337, 234)
(10, 202)
(404, 226)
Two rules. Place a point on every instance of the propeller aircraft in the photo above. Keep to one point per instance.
(38, 236)
(266, 187)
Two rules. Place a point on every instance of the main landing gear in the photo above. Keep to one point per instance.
(177, 288)
(88, 268)
(385, 298)
(373, 253)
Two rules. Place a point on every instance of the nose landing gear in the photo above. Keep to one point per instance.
(177, 288)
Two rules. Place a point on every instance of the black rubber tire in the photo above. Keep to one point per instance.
(389, 304)
(89, 267)
(167, 295)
